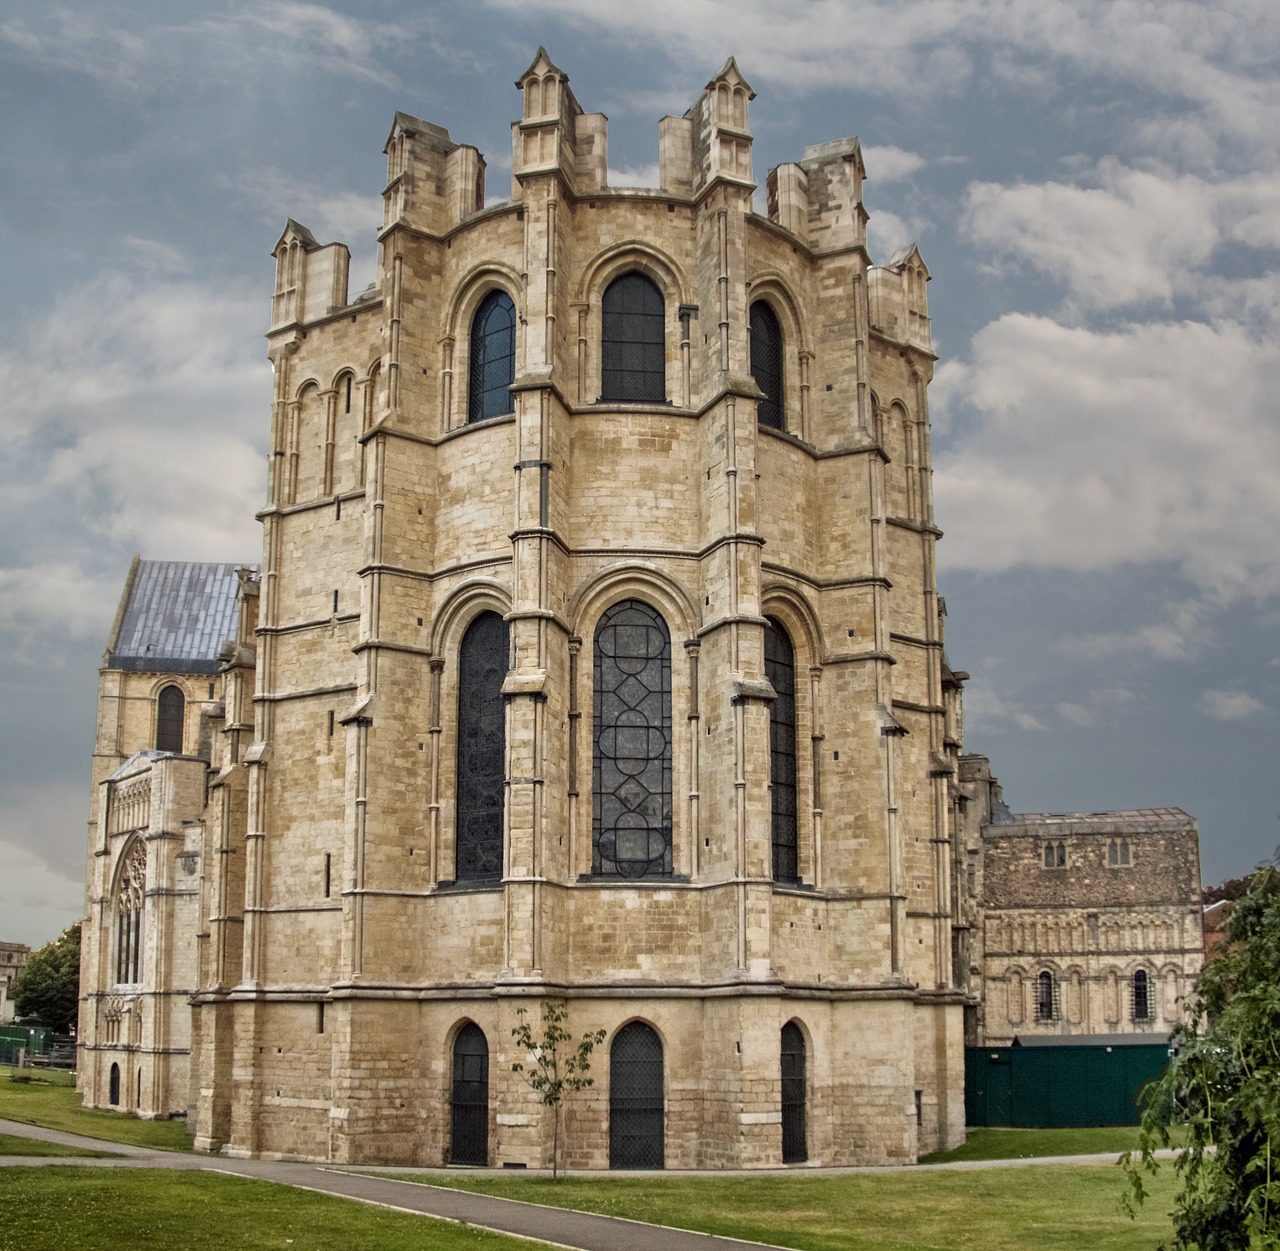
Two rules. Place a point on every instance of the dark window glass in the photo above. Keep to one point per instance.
(1124, 851)
(493, 357)
(631, 760)
(1048, 855)
(633, 341)
(794, 1149)
(171, 709)
(482, 666)
(470, 1137)
(635, 1098)
(1046, 998)
(780, 669)
(1062, 856)
(113, 1091)
(1141, 1000)
(766, 364)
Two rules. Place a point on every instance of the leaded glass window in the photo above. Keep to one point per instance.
(1046, 997)
(636, 1106)
(470, 1102)
(1141, 997)
(171, 709)
(493, 357)
(794, 1144)
(780, 669)
(633, 341)
(766, 364)
(631, 760)
(482, 666)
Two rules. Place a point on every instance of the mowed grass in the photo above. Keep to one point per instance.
(1024, 1144)
(1051, 1207)
(12, 1144)
(106, 1209)
(49, 1099)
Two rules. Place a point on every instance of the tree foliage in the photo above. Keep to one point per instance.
(1223, 1085)
(549, 1071)
(48, 989)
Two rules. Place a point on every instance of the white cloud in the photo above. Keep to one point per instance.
(886, 163)
(986, 709)
(1228, 705)
(1135, 237)
(144, 430)
(228, 46)
(1092, 450)
(1184, 630)
(1222, 68)
(639, 176)
(1098, 707)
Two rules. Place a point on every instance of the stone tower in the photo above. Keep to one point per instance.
(598, 658)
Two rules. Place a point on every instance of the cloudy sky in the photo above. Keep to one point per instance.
(1095, 186)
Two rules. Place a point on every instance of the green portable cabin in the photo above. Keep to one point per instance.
(1043, 1082)
(34, 1040)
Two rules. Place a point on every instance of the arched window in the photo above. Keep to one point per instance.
(1141, 996)
(482, 666)
(794, 1147)
(171, 709)
(113, 1089)
(766, 364)
(631, 760)
(130, 895)
(493, 357)
(470, 1101)
(635, 1098)
(1046, 997)
(633, 341)
(780, 669)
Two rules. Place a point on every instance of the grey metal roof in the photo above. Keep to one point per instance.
(177, 616)
(1091, 1040)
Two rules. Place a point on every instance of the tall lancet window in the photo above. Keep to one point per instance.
(482, 666)
(780, 669)
(766, 364)
(171, 712)
(631, 761)
(493, 357)
(131, 892)
(633, 341)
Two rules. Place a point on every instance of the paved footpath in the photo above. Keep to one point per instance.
(559, 1227)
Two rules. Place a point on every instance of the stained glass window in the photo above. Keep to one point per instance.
(631, 761)
(780, 669)
(493, 357)
(633, 341)
(482, 666)
(171, 707)
(766, 364)
(636, 1098)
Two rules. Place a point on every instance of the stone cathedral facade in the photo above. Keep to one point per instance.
(595, 655)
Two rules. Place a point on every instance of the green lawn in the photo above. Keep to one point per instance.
(1050, 1208)
(12, 1144)
(1021, 1144)
(48, 1098)
(106, 1209)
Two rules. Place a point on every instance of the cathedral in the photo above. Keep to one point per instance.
(595, 656)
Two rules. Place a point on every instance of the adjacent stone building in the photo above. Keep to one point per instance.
(1079, 923)
(159, 709)
(13, 959)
